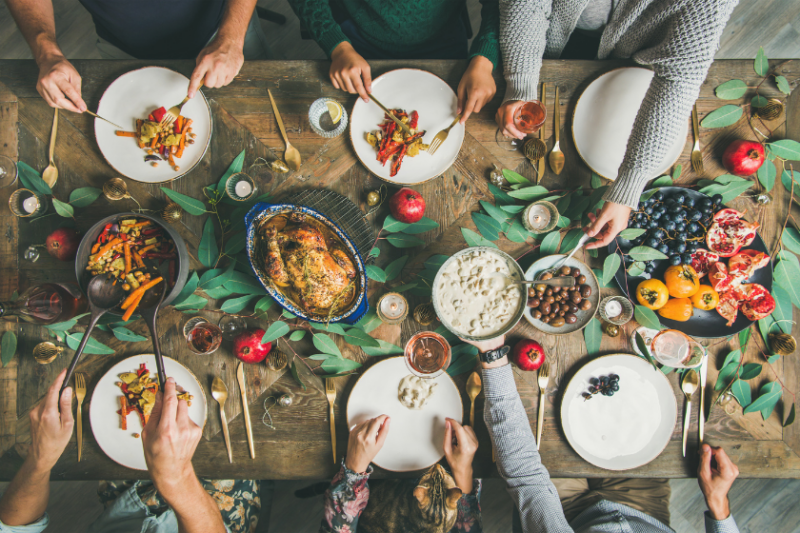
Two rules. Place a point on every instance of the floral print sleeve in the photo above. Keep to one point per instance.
(345, 499)
(469, 511)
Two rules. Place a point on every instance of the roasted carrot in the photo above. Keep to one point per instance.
(187, 126)
(140, 224)
(138, 259)
(129, 313)
(125, 133)
(96, 246)
(107, 248)
(181, 145)
(154, 142)
(139, 292)
(123, 413)
(171, 159)
(146, 249)
(127, 248)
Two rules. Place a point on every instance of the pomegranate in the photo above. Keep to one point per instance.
(744, 264)
(702, 261)
(728, 306)
(743, 158)
(758, 304)
(729, 232)
(248, 348)
(528, 354)
(407, 205)
(63, 244)
(719, 278)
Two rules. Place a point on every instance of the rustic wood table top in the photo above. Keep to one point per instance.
(299, 446)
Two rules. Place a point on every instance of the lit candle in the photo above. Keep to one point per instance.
(539, 217)
(30, 204)
(613, 309)
(392, 308)
(243, 189)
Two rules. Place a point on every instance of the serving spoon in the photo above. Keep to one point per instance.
(473, 389)
(148, 308)
(688, 386)
(50, 174)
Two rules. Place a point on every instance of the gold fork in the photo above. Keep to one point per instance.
(330, 392)
(80, 394)
(697, 156)
(441, 137)
(543, 379)
(173, 112)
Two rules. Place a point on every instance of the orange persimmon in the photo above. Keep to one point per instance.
(706, 298)
(681, 281)
(652, 293)
(678, 309)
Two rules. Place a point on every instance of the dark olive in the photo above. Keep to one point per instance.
(546, 276)
(534, 302)
(581, 279)
(565, 270)
(570, 318)
(586, 291)
(585, 305)
(565, 307)
(536, 314)
(545, 308)
(557, 322)
(575, 297)
(549, 291)
(575, 272)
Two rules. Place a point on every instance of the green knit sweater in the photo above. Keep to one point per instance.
(393, 24)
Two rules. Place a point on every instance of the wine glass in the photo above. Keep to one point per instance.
(677, 350)
(528, 118)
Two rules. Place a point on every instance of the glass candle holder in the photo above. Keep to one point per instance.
(392, 308)
(8, 171)
(427, 355)
(616, 310)
(540, 217)
(27, 203)
(231, 326)
(320, 118)
(240, 187)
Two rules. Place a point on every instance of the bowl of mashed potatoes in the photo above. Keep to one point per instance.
(475, 296)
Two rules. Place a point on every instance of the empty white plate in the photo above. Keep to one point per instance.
(135, 95)
(604, 117)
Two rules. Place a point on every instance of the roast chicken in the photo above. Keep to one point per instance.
(315, 268)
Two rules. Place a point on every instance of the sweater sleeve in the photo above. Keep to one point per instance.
(720, 526)
(345, 500)
(486, 41)
(518, 459)
(523, 32)
(317, 17)
(680, 62)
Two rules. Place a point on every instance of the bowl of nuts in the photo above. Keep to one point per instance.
(561, 310)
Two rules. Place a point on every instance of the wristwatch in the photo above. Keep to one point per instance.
(493, 355)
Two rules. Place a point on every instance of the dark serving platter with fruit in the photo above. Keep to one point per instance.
(717, 267)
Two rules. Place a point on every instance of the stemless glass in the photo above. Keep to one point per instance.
(528, 118)
(204, 338)
(427, 355)
(675, 349)
(8, 171)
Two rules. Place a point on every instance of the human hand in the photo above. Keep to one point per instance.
(607, 223)
(460, 445)
(349, 71)
(476, 87)
(51, 426)
(505, 119)
(366, 440)
(170, 439)
(716, 481)
(60, 84)
(217, 64)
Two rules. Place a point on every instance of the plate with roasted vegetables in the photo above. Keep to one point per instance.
(123, 400)
(424, 102)
(144, 150)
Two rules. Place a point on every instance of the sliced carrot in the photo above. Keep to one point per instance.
(147, 248)
(138, 259)
(138, 293)
(127, 248)
(154, 141)
(107, 248)
(123, 414)
(96, 246)
(125, 133)
(140, 224)
(129, 313)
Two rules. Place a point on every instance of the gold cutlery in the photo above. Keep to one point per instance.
(101, 118)
(688, 386)
(403, 125)
(172, 113)
(50, 174)
(543, 379)
(330, 392)
(291, 156)
(540, 164)
(220, 393)
(702, 416)
(556, 155)
(441, 137)
(245, 409)
(473, 389)
(697, 156)
(80, 394)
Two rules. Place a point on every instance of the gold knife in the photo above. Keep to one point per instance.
(245, 409)
(540, 164)
(702, 417)
(101, 118)
(396, 120)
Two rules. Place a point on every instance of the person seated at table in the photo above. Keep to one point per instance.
(403, 506)
(352, 31)
(175, 500)
(676, 38)
(563, 505)
(220, 34)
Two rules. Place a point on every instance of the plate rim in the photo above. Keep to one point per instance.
(563, 406)
(350, 396)
(387, 180)
(205, 148)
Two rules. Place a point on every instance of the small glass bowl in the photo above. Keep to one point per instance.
(315, 115)
(623, 317)
(27, 203)
(205, 329)
(231, 326)
(234, 181)
(528, 215)
(190, 325)
(8, 171)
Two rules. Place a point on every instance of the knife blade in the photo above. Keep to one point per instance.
(540, 163)
(245, 409)
(702, 416)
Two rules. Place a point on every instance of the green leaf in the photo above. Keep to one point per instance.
(726, 375)
(631, 233)
(234, 305)
(223, 278)
(530, 194)
(647, 194)
(448, 335)
(728, 178)
(189, 204)
(193, 301)
(334, 365)
(783, 85)
(517, 232)
(593, 336)
(744, 338)
(563, 222)
(513, 209)
(263, 305)
(741, 391)
(763, 326)
(391, 224)
(8, 347)
(207, 251)
(369, 321)
(643, 348)
(734, 357)
(495, 212)
(31, 179)
(65, 210)
(750, 371)
(513, 177)
(786, 149)
(734, 190)
(376, 273)
(235, 243)
(758, 101)
(218, 292)
(766, 175)
(597, 181)
(275, 331)
(67, 324)
(788, 178)
(375, 252)
(92, 346)
(394, 268)
(786, 274)
(636, 269)
(610, 267)
(676, 173)
(209, 275)
(791, 239)
(550, 243)
(768, 398)
(487, 226)
(724, 116)
(297, 335)
(402, 240)
(571, 240)
(783, 309)
(405, 287)
(236, 166)
(464, 358)
(358, 337)
(126, 335)
(761, 63)
(500, 196)
(731, 90)
(237, 286)
(385, 348)
(287, 314)
(790, 418)
(646, 317)
(296, 375)
(84, 196)
(473, 239)
(772, 359)
(188, 289)
(421, 226)
(645, 253)
(578, 206)
(435, 261)
(325, 344)
(663, 181)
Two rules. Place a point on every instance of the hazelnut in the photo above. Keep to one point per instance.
(581, 279)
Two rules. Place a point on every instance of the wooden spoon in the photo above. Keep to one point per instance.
(50, 174)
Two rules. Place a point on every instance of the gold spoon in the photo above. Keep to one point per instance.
(292, 155)
(50, 174)
(220, 393)
(688, 386)
(473, 389)
(556, 155)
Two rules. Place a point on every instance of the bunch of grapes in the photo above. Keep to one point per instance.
(605, 385)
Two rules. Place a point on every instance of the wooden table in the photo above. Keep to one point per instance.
(299, 447)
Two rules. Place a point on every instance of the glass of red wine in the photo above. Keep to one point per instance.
(528, 118)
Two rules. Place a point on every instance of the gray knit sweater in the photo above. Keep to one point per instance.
(676, 38)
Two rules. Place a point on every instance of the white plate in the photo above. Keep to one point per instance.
(644, 408)
(415, 436)
(120, 445)
(604, 117)
(434, 100)
(135, 95)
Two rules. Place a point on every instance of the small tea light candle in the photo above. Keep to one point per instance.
(243, 189)
(30, 204)
(392, 308)
(613, 309)
(540, 217)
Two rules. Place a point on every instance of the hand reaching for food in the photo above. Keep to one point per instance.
(217, 65)
(716, 480)
(606, 224)
(460, 445)
(476, 87)
(349, 71)
(60, 84)
(365, 441)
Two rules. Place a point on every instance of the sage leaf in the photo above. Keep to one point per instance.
(394, 268)
(236, 243)
(391, 224)
(421, 226)
(761, 63)
(84, 196)
(8, 347)
(766, 175)
(92, 346)
(207, 251)
(126, 335)
(402, 240)
(473, 239)
(645, 253)
(593, 336)
(275, 331)
(513, 177)
(31, 179)
(63, 209)
(610, 267)
(724, 116)
(786, 149)
(235, 167)
(646, 317)
(325, 344)
(376, 273)
(731, 90)
(530, 194)
(487, 226)
(783, 85)
(189, 204)
(234, 305)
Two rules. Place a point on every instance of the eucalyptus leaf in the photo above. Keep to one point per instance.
(517, 232)
(406, 287)
(758, 101)
(513, 209)
(563, 222)
(421, 226)
(487, 226)
(84, 196)
(126, 335)
(338, 366)
(385, 348)
(473, 239)
(571, 240)
(63, 209)
(238, 286)
(750, 371)
(610, 267)
(731, 90)
(234, 305)
(761, 63)
(631, 233)
(189, 204)
(402, 240)
(218, 292)
(66, 325)
(786, 274)
(297, 335)
(435, 261)
(724, 116)
(235, 167)
(550, 243)
(235, 243)
(296, 375)
(772, 359)
(207, 251)
(325, 344)
(92, 346)
(500, 196)
(593, 336)
(208, 275)
(741, 391)
(646, 317)
(287, 314)
(31, 179)
(783, 84)
(193, 301)
(788, 178)
(643, 348)
(275, 331)
(376, 273)
(734, 190)
(369, 321)
(645, 253)
(513, 177)
(330, 328)
(791, 239)
(394, 268)
(636, 269)
(391, 224)
(766, 175)
(530, 194)
(264, 304)
(495, 212)
(768, 397)
(598, 273)
(733, 357)
(789, 419)
(358, 337)
(464, 359)
(596, 181)
(786, 149)
(8, 347)
(218, 281)
(663, 181)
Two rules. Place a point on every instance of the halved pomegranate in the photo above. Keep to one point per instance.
(702, 261)
(730, 232)
(758, 302)
(744, 264)
(728, 305)
(719, 278)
